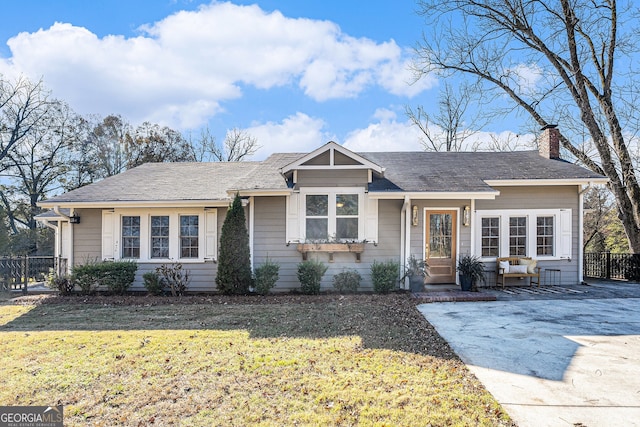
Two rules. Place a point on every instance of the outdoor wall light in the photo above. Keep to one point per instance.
(75, 219)
(414, 215)
(466, 216)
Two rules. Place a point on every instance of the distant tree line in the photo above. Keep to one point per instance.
(46, 148)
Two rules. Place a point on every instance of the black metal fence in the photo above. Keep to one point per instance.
(605, 265)
(18, 272)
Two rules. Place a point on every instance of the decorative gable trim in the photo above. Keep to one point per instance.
(332, 156)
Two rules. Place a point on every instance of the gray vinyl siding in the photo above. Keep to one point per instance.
(269, 241)
(202, 276)
(548, 197)
(87, 236)
(332, 178)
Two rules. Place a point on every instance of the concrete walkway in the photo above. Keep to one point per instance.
(561, 360)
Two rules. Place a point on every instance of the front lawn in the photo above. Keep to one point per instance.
(283, 360)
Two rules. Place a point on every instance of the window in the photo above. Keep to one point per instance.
(317, 211)
(347, 217)
(130, 237)
(160, 236)
(332, 216)
(540, 233)
(545, 233)
(518, 236)
(156, 235)
(189, 236)
(491, 237)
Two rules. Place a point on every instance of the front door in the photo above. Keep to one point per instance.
(440, 245)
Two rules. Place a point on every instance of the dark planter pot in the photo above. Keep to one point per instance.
(416, 283)
(466, 283)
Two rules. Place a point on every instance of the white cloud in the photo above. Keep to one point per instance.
(295, 134)
(387, 134)
(526, 76)
(182, 69)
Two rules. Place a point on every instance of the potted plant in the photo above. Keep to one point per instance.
(470, 271)
(416, 270)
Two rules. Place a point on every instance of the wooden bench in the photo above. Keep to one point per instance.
(501, 276)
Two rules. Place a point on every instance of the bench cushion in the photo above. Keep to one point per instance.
(504, 265)
(531, 265)
(514, 269)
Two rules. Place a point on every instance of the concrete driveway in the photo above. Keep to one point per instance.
(571, 360)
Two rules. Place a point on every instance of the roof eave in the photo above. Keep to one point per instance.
(435, 195)
(545, 182)
(107, 204)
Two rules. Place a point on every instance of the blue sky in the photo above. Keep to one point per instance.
(295, 74)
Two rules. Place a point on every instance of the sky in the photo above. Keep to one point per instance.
(292, 73)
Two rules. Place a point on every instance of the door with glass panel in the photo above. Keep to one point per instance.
(440, 245)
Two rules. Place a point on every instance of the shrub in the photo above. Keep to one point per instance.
(60, 282)
(173, 277)
(310, 274)
(86, 278)
(384, 276)
(116, 276)
(152, 283)
(266, 276)
(234, 261)
(347, 281)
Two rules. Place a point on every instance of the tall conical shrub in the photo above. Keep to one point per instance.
(234, 260)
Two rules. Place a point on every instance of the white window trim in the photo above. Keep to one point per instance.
(559, 233)
(174, 234)
(332, 192)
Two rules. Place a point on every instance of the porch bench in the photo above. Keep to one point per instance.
(502, 275)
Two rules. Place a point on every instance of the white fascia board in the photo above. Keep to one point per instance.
(484, 195)
(106, 204)
(544, 182)
(254, 192)
(365, 164)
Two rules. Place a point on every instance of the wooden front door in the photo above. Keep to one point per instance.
(440, 245)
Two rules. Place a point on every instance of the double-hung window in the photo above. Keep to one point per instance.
(160, 236)
(518, 236)
(544, 239)
(491, 237)
(333, 215)
(130, 236)
(189, 236)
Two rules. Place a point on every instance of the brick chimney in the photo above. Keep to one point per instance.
(549, 143)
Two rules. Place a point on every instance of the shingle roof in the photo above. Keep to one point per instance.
(177, 182)
(467, 171)
(404, 171)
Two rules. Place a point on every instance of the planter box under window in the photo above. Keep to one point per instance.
(331, 248)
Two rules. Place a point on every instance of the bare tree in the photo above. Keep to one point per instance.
(452, 125)
(238, 145)
(23, 104)
(556, 62)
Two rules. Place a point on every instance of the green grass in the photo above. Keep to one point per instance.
(344, 361)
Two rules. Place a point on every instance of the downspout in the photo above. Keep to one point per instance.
(251, 228)
(405, 238)
(56, 209)
(581, 233)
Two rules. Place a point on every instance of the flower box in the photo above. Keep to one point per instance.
(331, 248)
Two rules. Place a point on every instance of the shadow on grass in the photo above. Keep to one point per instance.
(382, 322)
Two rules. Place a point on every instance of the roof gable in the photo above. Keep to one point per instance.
(332, 156)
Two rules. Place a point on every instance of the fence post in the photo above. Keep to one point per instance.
(25, 280)
(608, 274)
